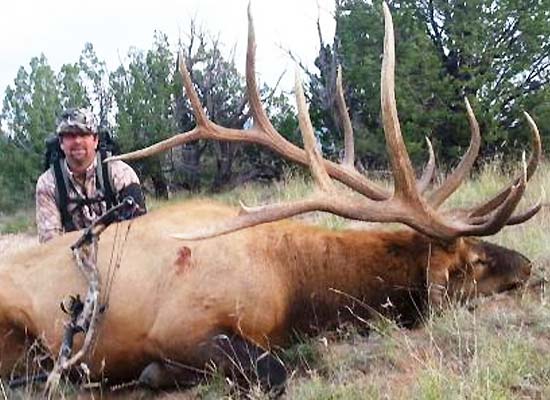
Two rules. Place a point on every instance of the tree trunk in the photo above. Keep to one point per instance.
(225, 154)
(191, 168)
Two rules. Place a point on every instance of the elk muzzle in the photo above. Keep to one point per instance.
(488, 269)
(507, 269)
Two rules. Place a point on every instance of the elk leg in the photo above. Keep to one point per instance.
(246, 363)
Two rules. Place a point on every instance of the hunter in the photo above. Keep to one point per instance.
(79, 187)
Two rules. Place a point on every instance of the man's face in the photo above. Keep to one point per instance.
(80, 149)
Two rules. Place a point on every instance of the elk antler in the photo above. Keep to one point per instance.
(405, 204)
(262, 131)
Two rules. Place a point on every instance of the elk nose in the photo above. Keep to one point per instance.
(526, 270)
(523, 268)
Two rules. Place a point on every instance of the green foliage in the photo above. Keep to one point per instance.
(18, 224)
(305, 354)
(144, 92)
(360, 29)
(93, 71)
(495, 53)
(17, 176)
(29, 111)
(71, 85)
(144, 99)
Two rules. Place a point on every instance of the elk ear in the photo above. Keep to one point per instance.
(468, 251)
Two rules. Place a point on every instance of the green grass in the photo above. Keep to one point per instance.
(22, 221)
(318, 388)
(484, 363)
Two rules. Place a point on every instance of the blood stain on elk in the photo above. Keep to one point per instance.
(183, 260)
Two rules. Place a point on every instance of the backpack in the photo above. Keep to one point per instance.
(54, 160)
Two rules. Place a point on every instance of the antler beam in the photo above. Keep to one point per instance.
(405, 204)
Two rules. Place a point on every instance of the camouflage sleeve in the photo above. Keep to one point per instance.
(126, 183)
(122, 175)
(48, 218)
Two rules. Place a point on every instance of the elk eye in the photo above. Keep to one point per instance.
(478, 267)
(478, 259)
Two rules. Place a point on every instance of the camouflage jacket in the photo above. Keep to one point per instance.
(48, 217)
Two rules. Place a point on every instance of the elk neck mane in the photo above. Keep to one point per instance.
(329, 271)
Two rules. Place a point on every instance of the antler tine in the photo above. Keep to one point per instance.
(348, 176)
(315, 159)
(262, 124)
(177, 140)
(526, 215)
(275, 141)
(537, 146)
(405, 185)
(534, 160)
(493, 222)
(429, 169)
(454, 180)
(349, 146)
(530, 212)
(192, 135)
(259, 115)
(200, 116)
(252, 216)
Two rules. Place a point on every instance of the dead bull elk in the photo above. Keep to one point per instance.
(226, 299)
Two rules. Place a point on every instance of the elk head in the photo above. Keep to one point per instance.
(487, 268)
(468, 265)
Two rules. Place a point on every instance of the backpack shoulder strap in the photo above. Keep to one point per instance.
(62, 196)
(103, 176)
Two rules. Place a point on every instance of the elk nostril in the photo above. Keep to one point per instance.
(513, 286)
(527, 269)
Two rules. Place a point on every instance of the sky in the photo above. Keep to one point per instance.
(59, 29)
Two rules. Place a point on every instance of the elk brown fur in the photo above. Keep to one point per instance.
(227, 294)
(261, 284)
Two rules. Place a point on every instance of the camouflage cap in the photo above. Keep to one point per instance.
(77, 120)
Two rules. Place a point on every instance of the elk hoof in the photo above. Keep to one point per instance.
(150, 375)
(272, 374)
(160, 375)
(155, 376)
